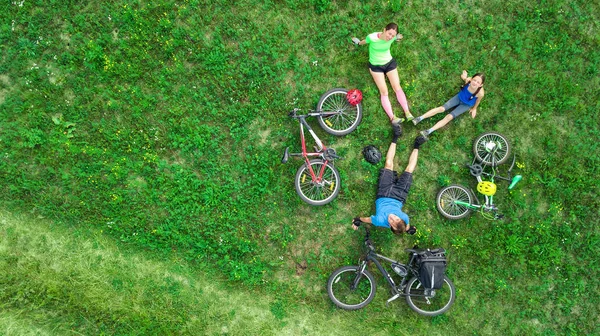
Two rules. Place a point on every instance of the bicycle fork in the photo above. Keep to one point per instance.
(359, 275)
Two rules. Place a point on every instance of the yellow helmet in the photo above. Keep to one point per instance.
(487, 188)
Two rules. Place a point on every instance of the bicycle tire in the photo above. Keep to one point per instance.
(347, 116)
(339, 291)
(485, 142)
(439, 301)
(445, 201)
(317, 194)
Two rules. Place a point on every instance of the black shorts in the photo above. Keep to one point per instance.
(393, 186)
(389, 66)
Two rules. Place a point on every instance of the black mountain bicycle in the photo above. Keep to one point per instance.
(353, 287)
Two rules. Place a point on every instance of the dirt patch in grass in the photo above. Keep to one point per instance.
(263, 136)
(3, 94)
(66, 37)
(5, 81)
(259, 133)
(69, 96)
(542, 207)
(54, 75)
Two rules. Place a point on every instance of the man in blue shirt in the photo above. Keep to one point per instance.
(393, 190)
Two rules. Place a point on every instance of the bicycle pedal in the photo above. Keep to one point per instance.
(392, 298)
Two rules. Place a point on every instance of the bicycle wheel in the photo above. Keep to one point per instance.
(346, 117)
(491, 149)
(340, 283)
(317, 192)
(446, 201)
(430, 302)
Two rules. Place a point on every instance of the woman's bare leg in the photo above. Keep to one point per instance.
(379, 79)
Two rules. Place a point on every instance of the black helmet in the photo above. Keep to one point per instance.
(372, 154)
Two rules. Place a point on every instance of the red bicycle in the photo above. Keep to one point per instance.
(317, 180)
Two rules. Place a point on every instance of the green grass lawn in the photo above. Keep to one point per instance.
(148, 137)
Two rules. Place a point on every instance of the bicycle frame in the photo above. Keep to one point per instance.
(321, 149)
(397, 290)
(489, 200)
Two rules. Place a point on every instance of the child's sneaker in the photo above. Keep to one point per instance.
(425, 134)
(416, 120)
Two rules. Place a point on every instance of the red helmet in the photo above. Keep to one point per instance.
(354, 97)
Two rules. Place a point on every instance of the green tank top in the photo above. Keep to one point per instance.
(379, 49)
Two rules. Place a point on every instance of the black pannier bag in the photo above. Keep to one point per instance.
(432, 268)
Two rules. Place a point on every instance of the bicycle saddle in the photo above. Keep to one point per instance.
(475, 169)
(286, 155)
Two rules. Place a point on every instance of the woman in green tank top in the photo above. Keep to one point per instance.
(381, 63)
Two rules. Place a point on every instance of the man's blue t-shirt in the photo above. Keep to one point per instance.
(385, 206)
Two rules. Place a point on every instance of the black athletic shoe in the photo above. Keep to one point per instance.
(397, 129)
(419, 141)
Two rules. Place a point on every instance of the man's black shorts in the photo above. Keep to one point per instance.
(389, 66)
(392, 186)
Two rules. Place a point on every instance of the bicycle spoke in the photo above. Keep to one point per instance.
(486, 158)
(450, 204)
(430, 301)
(491, 148)
(345, 115)
(454, 202)
(315, 191)
(342, 288)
